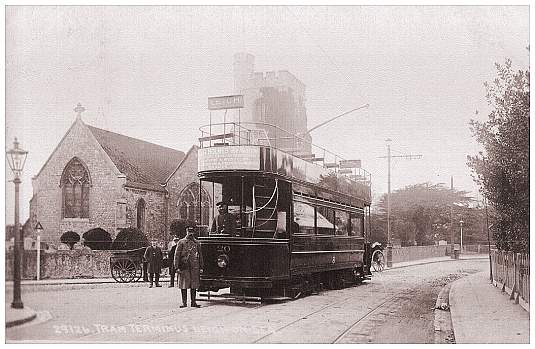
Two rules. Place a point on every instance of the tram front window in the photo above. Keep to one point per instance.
(252, 207)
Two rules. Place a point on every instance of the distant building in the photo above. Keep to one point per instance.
(100, 179)
(276, 98)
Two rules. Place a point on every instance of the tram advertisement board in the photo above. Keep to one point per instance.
(229, 158)
(225, 102)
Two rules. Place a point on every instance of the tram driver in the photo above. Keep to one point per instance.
(224, 222)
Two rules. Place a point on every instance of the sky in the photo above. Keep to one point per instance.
(146, 72)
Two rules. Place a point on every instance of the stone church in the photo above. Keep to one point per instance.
(100, 179)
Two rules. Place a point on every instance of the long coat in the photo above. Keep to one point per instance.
(189, 249)
(153, 255)
(171, 256)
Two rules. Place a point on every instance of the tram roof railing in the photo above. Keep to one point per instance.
(265, 134)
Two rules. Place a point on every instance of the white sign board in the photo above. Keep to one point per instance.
(225, 102)
(229, 158)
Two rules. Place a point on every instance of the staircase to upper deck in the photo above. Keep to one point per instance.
(265, 215)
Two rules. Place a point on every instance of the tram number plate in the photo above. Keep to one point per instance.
(333, 260)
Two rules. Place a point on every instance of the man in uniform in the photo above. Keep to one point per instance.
(224, 222)
(188, 261)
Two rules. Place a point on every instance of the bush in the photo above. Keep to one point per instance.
(130, 239)
(70, 238)
(97, 239)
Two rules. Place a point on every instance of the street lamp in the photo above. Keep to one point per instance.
(16, 159)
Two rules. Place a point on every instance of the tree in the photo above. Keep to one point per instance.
(130, 239)
(97, 239)
(70, 238)
(420, 214)
(502, 168)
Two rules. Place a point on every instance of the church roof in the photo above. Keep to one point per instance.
(146, 165)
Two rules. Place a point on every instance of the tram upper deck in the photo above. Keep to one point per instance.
(268, 149)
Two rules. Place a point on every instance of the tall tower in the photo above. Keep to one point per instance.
(274, 98)
(243, 69)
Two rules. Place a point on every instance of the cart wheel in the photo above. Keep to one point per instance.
(378, 261)
(124, 270)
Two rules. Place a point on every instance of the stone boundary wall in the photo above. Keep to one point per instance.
(69, 264)
(412, 253)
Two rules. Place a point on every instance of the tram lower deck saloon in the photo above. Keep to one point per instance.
(278, 220)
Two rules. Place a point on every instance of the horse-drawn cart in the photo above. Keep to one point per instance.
(127, 266)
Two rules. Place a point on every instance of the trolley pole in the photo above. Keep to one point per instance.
(388, 229)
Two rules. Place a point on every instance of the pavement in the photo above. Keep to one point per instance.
(15, 317)
(481, 313)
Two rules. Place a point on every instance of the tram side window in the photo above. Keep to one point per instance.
(342, 223)
(303, 219)
(325, 220)
(357, 225)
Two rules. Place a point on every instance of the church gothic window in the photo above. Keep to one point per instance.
(188, 204)
(75, 183)
(141, 214)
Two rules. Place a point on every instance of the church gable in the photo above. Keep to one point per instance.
(77, 142)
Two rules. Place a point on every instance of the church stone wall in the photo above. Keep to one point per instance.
(106, 187)
(155, 212)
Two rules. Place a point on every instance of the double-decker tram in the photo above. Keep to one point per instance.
(283, 219)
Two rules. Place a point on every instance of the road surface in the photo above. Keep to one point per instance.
(396, 306)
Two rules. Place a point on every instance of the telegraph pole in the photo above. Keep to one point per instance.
(452, 245)
(389, 235)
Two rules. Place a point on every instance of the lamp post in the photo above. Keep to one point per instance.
(16, 158)
(38, 230)
(461, 223)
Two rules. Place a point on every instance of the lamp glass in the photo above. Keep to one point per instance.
(16, 158)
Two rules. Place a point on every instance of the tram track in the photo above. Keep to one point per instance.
(315, 312)
(370, 312)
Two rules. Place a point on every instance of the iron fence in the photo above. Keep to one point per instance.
(510, 271)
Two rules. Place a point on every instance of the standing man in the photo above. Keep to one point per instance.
(154, 257)
(224, 222)
(171, 258)
(188, 261)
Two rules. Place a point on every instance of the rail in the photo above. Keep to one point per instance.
(510, 271)
(265, 134)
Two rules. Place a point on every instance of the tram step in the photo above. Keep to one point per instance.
(264, 231)
(263, 196)
(266, 219)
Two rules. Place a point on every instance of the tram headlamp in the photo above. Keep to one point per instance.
(222, 261)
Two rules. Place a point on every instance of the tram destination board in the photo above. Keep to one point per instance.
(225, 102)
(229, 158)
